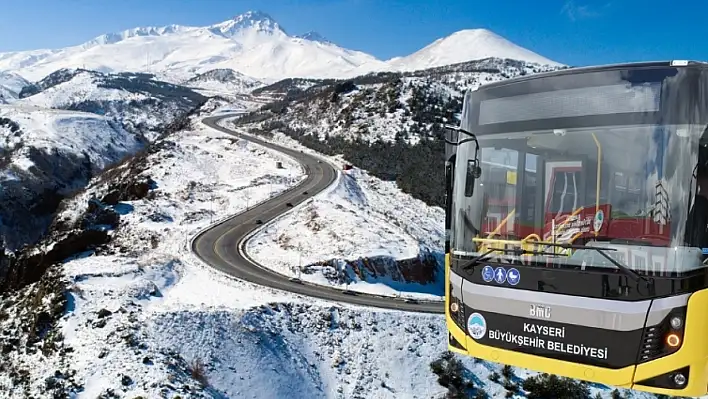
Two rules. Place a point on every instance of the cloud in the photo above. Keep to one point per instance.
(575, 11)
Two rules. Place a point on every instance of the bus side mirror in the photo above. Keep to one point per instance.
(473, 173)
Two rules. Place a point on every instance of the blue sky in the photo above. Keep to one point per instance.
(575, 32)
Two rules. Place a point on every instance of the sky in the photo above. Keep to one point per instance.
(573, 32)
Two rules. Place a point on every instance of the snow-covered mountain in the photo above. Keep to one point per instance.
(12, 81)
(45, 155)
(252, 44)
(67, 127)
(138, 101)
(10, 86)
(387, 105)
(7, 95)
(466, 45)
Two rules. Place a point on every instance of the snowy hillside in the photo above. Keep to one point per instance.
(139, 102)
(143, 317)
(71, 125)
(12, 81)
(10, 86)
(6, 95)
(384, 106)
(226, 81)
(252, 44)
(45, 155)
(389, 124)
(155, 292)
(361, 234)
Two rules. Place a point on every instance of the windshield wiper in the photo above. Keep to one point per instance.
(514, 251)
(602, 251)
(519, 251)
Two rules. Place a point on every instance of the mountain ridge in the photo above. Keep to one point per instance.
(253, 44)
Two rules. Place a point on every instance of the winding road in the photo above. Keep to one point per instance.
(222, 245)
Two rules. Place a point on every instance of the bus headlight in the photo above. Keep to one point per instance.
(673, 340)
(676, 322)
(680, 379)
(454, 307)
(457, 311)
(674, 379)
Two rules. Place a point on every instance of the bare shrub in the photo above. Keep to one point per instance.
(197, 370)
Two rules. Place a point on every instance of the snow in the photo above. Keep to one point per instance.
(251, 349)
(223, 82)
(139, 320)
(12, 81)
(164, 300)
(359, 216)
(10, 86)
(253, 44)
(466, 45)
(314, 36)
(139, 104)
(64, 131)
(385, 110)
(43, 149)
(81, 87)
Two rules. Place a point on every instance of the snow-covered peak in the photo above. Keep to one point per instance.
(466, 45)
(251, 21)
(314, 37)
(253, 44)
(248, 22)
(115, 37)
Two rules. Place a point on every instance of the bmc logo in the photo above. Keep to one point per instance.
(540, 312)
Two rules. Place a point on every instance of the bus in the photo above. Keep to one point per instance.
(577, 225)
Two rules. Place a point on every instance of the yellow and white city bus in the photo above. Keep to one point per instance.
(577, 225)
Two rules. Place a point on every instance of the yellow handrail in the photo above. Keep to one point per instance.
(523, 242)
(531, 235)
(599, 175)
(503, 222)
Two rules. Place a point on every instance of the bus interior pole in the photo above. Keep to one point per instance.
(521, 195)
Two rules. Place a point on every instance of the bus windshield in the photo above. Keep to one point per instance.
(635, 189)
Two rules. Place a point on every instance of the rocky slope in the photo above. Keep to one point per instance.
(67, 127)
(389, 124)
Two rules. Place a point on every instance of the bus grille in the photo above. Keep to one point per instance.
(459, 316)
(652, 344)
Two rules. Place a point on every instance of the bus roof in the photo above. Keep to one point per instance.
(596, 68)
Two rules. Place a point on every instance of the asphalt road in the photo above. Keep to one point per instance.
(219, 245)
